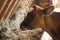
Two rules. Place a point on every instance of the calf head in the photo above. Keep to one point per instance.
(35, 18)
(44, 11)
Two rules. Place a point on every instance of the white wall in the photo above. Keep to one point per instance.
(54, 3)
(46, 36)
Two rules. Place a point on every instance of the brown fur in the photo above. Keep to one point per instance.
(53, 25)
(35, 18)
(49, 23)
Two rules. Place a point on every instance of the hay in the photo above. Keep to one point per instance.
(10, 28)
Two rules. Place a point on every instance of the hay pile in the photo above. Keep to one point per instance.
(10, 28)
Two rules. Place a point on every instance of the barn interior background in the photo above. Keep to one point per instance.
(57, 5)
(12, 14)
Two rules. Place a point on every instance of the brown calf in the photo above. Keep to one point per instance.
(41, 18)
(35, 18)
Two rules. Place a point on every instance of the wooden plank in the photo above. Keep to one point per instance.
(13, 7)
(7, 7)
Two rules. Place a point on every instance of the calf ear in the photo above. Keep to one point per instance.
(38, 7)
(48, 10)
